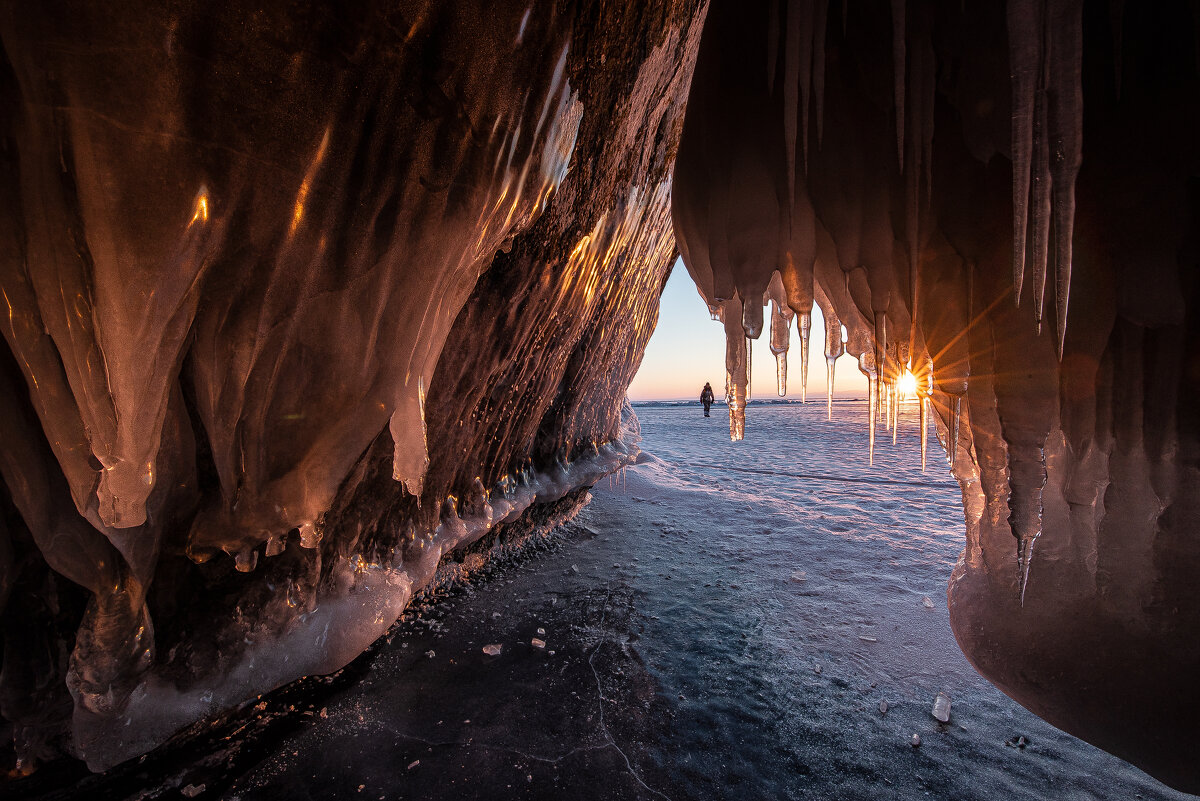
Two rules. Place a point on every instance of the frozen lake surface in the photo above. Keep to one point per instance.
(685, 656)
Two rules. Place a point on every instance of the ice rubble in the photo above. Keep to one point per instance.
(962, 154)
(296, 302)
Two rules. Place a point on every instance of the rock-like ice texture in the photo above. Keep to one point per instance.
(971, 154)
(297, 301)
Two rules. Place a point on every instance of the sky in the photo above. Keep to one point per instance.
(688, 348)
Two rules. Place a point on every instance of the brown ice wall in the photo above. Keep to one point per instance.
(299, 298)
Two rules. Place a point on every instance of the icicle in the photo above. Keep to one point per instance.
(1041, 185)
(1024, 54)
(805, 325)
(881, 340)
(749, 365)
(830, 367)
(737, 367)
(1024, 560)
(866, 365)
(887, 406)
(834, 348)
(924, 401)
(898, 64)
(780, 335)
(1065, 122)
(873, 413)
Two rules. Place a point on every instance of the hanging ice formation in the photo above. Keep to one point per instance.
(293, 307)
(934, 248)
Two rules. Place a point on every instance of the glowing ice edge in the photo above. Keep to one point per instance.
(367, 599)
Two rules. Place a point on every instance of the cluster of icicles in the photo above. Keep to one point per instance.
(887, 389)
(800, 255)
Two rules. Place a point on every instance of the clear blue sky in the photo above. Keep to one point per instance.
(688, 348)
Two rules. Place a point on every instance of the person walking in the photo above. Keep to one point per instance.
(706, 397)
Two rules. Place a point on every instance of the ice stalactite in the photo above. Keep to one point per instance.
(866, 366)
(1046, 54)
(779, 348)
(1024, 55)
(1065, 121)
(781, 321)
(804, 323)
(834, 346)
(737, 367)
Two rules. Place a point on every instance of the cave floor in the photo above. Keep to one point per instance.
(685, 655)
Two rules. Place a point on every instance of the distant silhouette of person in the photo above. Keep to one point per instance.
(706, 397)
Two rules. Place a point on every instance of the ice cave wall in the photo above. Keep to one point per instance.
(298, 300)
(1005, 199)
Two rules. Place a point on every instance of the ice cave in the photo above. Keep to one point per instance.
(304, 299)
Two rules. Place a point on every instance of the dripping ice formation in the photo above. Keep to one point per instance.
(295, 304)
(963, 157)
(297, 300)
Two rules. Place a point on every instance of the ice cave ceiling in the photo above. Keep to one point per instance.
(301, 298)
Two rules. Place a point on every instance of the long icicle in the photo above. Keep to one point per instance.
(872, 412)
(1041, 184)
(1066, 127)
(780, 336)
(1024, 53)
(805, 325)
(830, 367)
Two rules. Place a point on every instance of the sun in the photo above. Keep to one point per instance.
(907, 385)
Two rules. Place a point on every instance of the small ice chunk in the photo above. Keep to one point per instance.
(916, 741)
(431, 654)
(192, 790)
(574, 568)
(541, 632)
(883, 707)
(867, 638)
(941, 707)
(817, 668)
(324, 713)
(413, 764)
(493, 649)
(927, 602)
(536, 643)
(799, 576)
